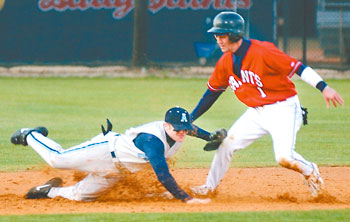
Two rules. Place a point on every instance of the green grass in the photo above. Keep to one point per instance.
(74, 108)
(307, 216)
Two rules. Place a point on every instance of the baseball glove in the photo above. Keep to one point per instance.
(216, 139)
(109, 128)
(304, 113)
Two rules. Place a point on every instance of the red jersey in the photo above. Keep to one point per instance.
(265, 75)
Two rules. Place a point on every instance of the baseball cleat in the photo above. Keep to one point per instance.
(201, 190)
(41, 191)
(314, 182)
(20, 136)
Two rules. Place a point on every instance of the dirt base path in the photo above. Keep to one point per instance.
(251, 189)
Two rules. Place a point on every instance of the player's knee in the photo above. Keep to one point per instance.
(227, 146)
(230, 143)
(56, 161)
(53, 164)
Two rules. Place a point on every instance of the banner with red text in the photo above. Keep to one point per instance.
(101, 31)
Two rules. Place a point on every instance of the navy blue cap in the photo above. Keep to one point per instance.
(179, 118)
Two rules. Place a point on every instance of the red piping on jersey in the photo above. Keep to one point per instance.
(294, 69)
(213, 89)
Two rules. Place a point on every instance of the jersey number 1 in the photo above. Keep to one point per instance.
(263, 95)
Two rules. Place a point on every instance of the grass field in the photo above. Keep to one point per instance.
(74, 108)
(310, 216)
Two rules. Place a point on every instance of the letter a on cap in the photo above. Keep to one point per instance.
(184, 118)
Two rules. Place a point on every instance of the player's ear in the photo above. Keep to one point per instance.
(166, 126)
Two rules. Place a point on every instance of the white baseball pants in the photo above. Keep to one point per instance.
(92, 156)
(281, 120)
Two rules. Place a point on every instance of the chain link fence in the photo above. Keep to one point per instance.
(316, 32)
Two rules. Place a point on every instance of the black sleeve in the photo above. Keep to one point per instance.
(199, 133)
(153, 147)
(207, 100)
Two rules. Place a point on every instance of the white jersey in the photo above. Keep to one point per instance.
(99, 157)
(126, 151)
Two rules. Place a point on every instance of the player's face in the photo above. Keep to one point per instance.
(177, 136)
(225, 44)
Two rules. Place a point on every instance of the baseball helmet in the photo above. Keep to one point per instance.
(230, 23)
(179, 118)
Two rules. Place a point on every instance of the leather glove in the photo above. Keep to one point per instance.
(216, 139)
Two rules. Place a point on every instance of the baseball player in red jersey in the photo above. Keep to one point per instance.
(260, 76)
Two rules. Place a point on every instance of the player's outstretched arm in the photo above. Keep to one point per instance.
(311, 77)
(329, 94)
(199, 133)
(208, 99)
(153, 147)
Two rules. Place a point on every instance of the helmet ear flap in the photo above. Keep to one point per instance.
(233, 38)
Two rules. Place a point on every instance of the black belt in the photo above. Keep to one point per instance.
(113, 154)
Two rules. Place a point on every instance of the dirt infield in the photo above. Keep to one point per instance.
(242, 189)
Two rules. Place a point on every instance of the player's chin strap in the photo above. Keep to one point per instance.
(109, 127)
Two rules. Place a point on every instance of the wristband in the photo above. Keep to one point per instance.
(310, 76)
(321, 85)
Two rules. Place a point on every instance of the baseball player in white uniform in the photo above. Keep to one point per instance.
(102, 156)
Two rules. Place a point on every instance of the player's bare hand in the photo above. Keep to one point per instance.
(198, 201)
(166, 195)
(330, 94)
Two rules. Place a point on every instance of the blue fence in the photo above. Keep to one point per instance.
(101, 31)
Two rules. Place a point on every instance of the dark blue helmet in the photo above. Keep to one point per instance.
(230, 23)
